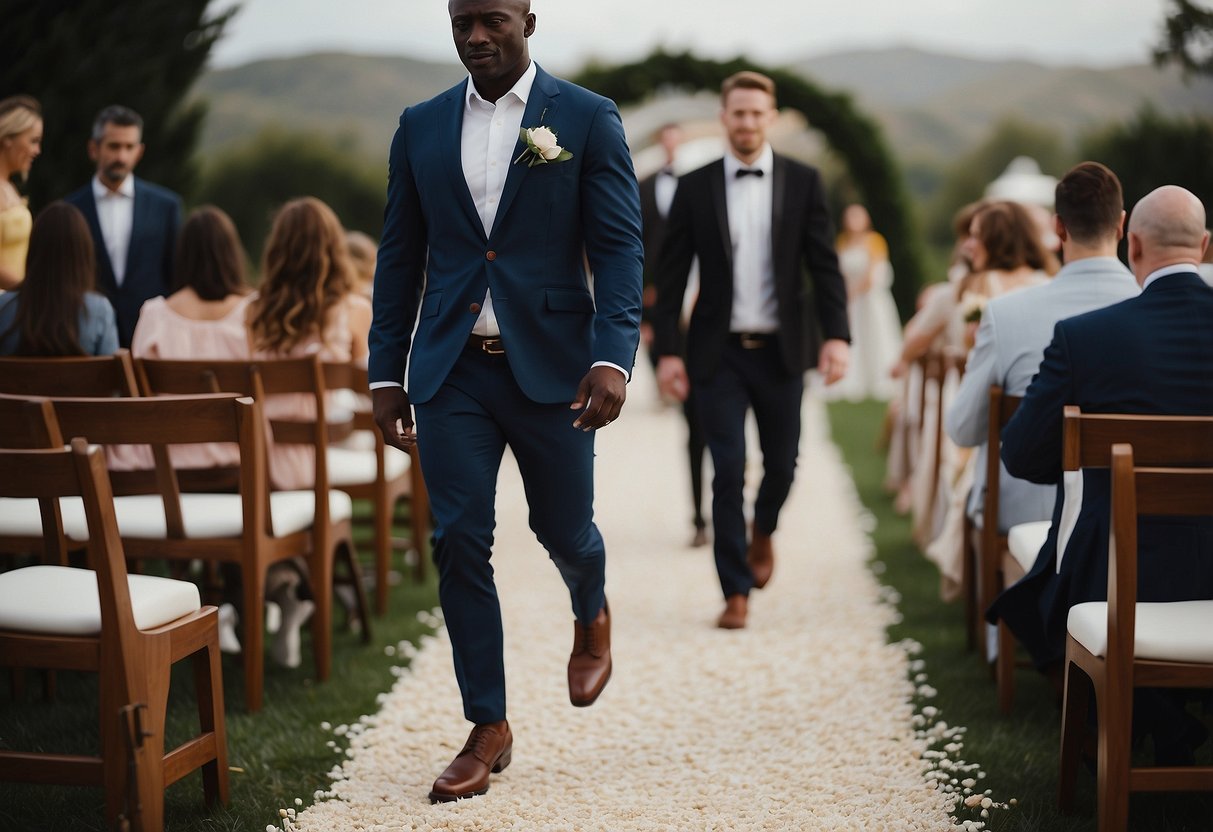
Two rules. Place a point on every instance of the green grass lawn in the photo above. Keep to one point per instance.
(1019, 752)
(276, 755)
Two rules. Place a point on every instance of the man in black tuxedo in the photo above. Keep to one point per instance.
(656, 197)
(757, 222)
(134, 222)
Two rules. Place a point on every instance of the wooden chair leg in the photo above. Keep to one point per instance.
(1115, 725)
(1004, 672)
(208, 687)
(114, 749)
(354, 575)
(1075, 702)
(320, 573)
(150, 771)
(252, 615)
(383, 508)
(968, 585)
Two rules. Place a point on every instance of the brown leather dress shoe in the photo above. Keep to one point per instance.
(761, 559)
(487, 750)
(590, 661)
(735, 609)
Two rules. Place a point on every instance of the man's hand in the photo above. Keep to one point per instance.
(600, 397)
(833, 360)
(672, 377)
(394, 416)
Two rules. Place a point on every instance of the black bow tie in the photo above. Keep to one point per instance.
(748, 172)
(666, 172)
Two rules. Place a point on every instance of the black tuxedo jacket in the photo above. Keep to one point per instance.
(652, 229)
(809, 289)
(149, 257)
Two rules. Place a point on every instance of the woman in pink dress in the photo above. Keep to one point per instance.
(306, 306)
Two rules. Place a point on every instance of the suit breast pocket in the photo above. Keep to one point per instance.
(430, 304)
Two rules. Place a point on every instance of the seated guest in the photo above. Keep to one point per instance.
(202, 318)
(306, 305)
(1015, 328)
(55, 311)
(1151, 354)
(364, 254)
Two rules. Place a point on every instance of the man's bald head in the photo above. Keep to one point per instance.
(1167, 227)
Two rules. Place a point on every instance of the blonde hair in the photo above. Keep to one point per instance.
(746, 80)
(306, 272)
(18, 113)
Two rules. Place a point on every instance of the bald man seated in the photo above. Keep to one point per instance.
(1151, 354)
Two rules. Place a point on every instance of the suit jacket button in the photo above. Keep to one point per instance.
(490, 255)
(474, 309)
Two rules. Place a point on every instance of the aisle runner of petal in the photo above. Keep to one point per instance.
(802, 721)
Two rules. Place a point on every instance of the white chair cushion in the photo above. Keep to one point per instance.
(1025, 539)
(357, 467)
(20, 517)
(1177, 631)
(60, 600)
(141, 516)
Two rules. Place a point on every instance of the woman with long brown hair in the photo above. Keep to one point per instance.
(55, 311)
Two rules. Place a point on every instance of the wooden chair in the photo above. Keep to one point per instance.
(331, 510)
(26, 424)
(248, 528)
(1122, 644)
(383, 475)
(996, 567)
(91, 375)
(127, 629)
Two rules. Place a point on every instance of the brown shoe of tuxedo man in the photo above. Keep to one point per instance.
(735, 609)
(590, 661)
(487, 750)
(761, 558)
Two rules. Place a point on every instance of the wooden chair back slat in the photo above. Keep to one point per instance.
(1157, 440)
(102, 375)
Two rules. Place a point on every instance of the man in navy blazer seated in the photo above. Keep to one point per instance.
(1152, 354)
(134, 222)
(486, 241)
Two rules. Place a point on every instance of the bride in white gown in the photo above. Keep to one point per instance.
(863, 257)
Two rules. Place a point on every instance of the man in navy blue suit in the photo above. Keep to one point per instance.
(1151, 354)
(486, 241)
(134, 222)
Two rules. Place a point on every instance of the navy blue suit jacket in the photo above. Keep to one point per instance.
(435, 261)
(149, 258)
(1152, 354)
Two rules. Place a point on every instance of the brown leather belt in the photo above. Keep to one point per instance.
(753, 340)
(489, 344)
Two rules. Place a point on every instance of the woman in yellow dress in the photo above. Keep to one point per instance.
(20, 144)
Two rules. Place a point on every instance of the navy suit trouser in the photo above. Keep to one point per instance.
(745, 379)
(462, 433)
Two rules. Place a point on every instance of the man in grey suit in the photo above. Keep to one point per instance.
(1015, 328)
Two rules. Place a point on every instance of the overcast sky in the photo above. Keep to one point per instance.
(568, 32)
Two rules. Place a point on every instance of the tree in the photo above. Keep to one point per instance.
(1187, 38)
(77, 56)
(1153, 150)
(253, 180)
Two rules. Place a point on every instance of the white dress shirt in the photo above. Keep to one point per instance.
(1166, 271)
(116, 215)
(490, 132)
(749, 201)
(663, 190)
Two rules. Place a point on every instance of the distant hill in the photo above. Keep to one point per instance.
(933, 107)
(355, 99)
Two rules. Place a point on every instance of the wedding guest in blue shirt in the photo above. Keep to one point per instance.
(55, 311)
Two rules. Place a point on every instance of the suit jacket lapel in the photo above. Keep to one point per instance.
(452, 133)
(541, 105)
(779, 185)
(722, 212)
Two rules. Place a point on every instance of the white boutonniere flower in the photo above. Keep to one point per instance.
(541, 147)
